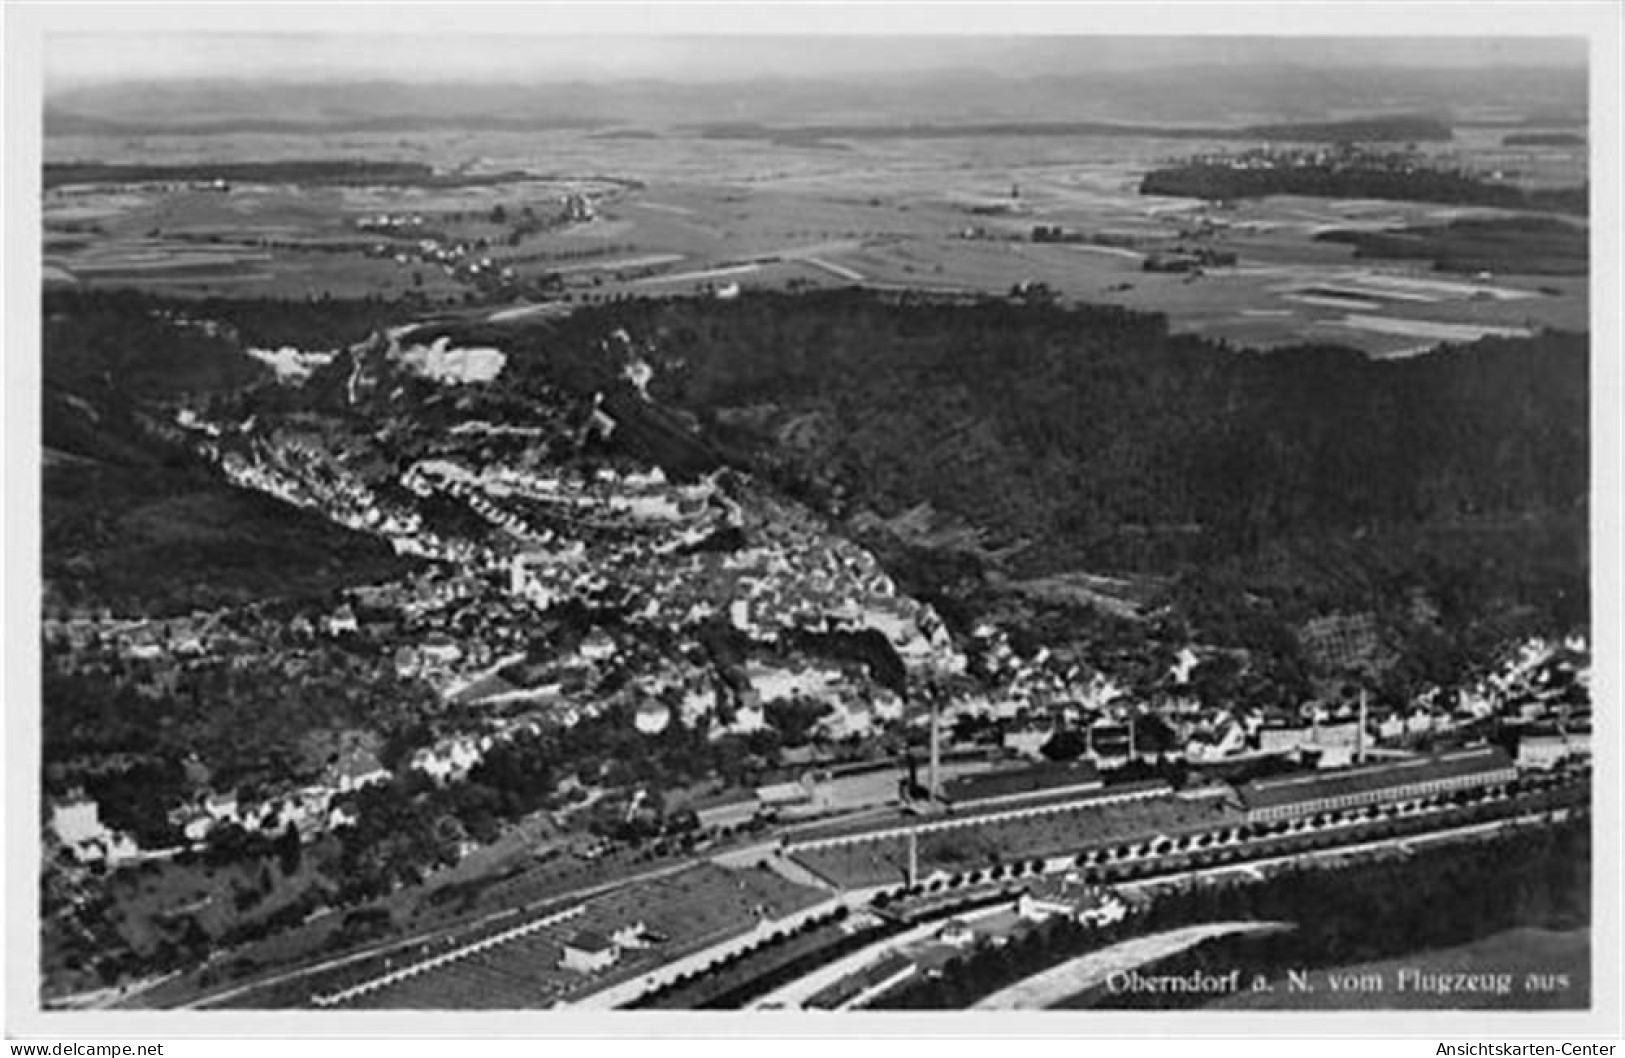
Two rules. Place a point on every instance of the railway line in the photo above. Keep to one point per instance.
(1131, 862)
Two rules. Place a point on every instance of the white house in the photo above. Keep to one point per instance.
(1547, 750)
(1100, 909)
(1180, 671)
(956, 933)
(631, 937)
(598, 646)
(222, 807)
(1028, 741)
(652, 717)
(357, 769)
(440, 650)
(589, 952)
(847, 719)
(1420, 722)
(697, 704)
(448, 760)
(888, 707)
(747, 719)
(774, 684)
(78, 825)
(341, 621)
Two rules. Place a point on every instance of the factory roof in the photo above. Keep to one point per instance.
(1284, 790)
(1021, 783)
(782, 793)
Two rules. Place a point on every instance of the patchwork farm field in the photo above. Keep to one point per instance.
(676, 213)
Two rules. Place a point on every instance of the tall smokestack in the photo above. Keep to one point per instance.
(913, 858)
(936, 744)
(1359, 736)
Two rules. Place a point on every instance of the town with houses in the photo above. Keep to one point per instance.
(602, 678)
(708, 607)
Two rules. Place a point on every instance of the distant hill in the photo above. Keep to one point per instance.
(314, 171)
(1543, 139)
(1216, 95)
(1399, 128)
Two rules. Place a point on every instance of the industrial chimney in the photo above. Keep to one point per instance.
(936, 745)
(1359, 735)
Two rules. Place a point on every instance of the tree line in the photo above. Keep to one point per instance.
(1439, 896)
(1223, 182)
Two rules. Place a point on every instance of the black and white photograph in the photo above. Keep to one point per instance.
(563, 515)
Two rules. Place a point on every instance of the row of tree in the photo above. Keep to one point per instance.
(1439, 896)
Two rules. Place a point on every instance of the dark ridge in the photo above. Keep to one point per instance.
(1543, 139)
(1525, 245)
(1220, 182)
(328, 171)
(1394, 129)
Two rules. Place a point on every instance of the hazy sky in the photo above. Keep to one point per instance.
(73, 59)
